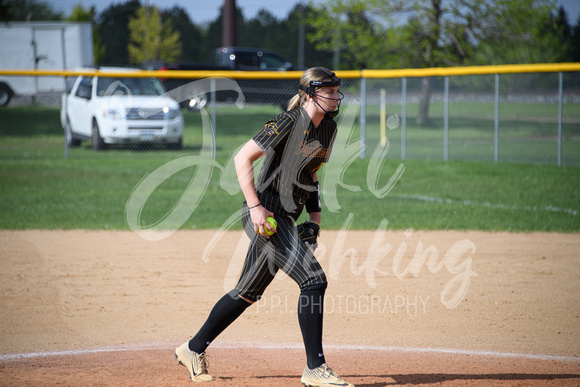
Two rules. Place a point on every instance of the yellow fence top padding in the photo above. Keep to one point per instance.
(472, 70)
(351, 74)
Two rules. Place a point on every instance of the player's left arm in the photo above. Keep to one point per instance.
(308, 231)
(314, 202)
(313, 207)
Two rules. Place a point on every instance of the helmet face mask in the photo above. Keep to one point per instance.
(332, 113)
(333, 82)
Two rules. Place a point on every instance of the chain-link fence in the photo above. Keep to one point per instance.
(522, 116)
(528, 117)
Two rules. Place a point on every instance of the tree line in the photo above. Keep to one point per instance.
(338, 34)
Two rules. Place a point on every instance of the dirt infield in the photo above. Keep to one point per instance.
(417, 308)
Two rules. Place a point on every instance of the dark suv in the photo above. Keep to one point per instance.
(268, 91)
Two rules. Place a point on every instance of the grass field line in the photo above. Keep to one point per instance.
(475, 203)
(278, 346)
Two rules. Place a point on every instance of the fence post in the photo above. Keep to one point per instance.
(404, 119)
(383, 117)
(496, 121)
(213, 116)
(66, 123)
(446, 121)
(363, 104)
(560, 119)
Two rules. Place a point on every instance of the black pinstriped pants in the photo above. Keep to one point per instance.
(284, 250)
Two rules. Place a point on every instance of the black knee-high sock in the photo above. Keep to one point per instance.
(310, 316)
(225, 312)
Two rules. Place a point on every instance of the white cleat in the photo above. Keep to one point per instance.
(322, 376)
(195, 363)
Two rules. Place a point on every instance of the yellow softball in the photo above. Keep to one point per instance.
(274, 225)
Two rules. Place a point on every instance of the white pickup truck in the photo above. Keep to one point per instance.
(118, 110)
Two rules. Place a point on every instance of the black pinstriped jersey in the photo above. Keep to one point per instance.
(295, 149)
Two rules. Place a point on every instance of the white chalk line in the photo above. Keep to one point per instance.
(242, 345)
(432, 199)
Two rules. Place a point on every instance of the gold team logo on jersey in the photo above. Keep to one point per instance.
(270, 128)
(312, 149)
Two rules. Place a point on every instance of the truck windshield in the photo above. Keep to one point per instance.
(129, 86)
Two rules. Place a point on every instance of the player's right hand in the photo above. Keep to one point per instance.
(259, 216)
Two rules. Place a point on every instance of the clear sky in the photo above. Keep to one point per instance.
(201, 11)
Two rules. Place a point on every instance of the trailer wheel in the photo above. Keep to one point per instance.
(6, 94)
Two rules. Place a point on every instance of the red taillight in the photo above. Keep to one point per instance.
(163, 68)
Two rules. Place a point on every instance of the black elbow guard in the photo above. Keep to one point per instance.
(313, 202)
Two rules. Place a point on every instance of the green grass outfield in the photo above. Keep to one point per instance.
(40, 189)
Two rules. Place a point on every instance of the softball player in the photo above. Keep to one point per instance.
(295, 144)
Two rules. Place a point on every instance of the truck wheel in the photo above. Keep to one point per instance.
(98, 142)
(5, 94)
(71, 141)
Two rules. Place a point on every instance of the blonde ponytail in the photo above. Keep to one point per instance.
(297, 101)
